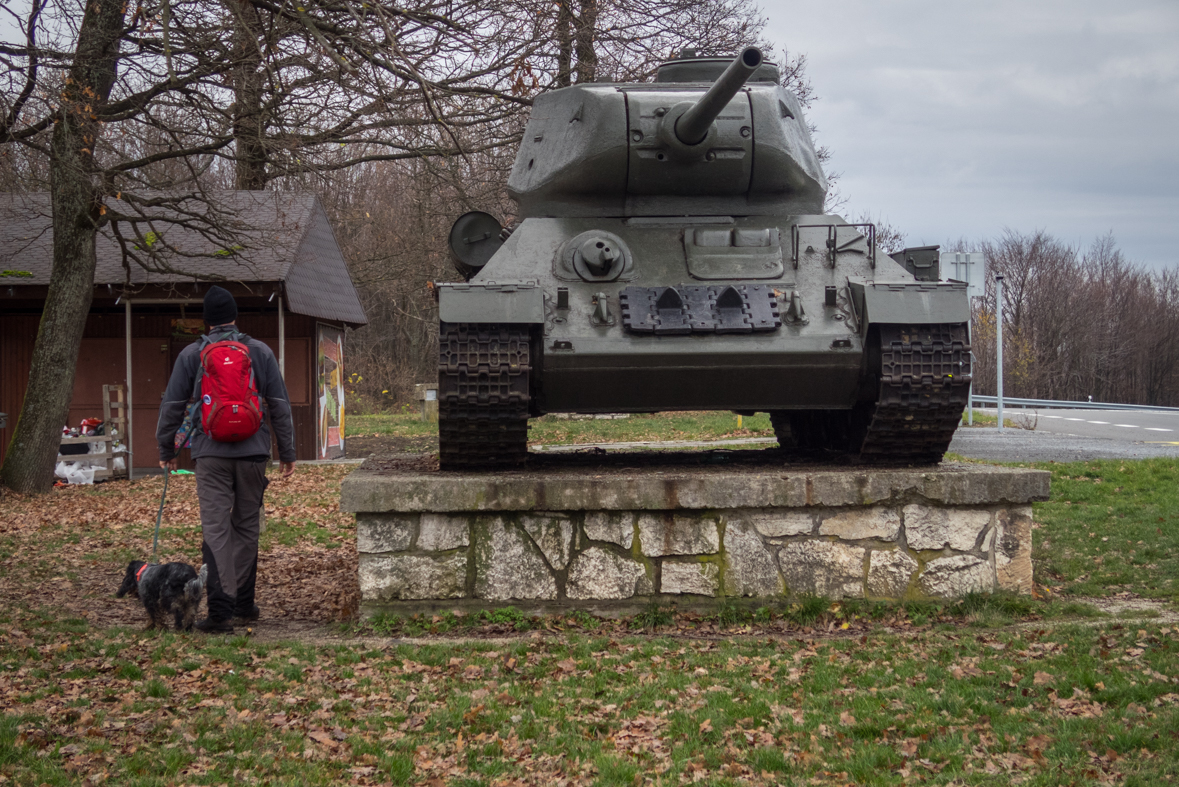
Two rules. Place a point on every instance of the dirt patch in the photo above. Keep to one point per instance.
(67, 551)
(362, 445)
(303, 594)
(1128, 605)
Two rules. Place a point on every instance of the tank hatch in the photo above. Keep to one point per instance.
(690, 68)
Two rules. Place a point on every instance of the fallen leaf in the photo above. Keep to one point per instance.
(319, 736)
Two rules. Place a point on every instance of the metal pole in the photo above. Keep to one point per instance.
(999, 346)
(970, 394)
(128, 408)
(282, 342)
(969, 270)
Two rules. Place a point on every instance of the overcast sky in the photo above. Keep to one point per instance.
(951, 119)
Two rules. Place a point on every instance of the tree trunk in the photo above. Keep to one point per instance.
(564, 43)
(77, 207)
(249, 127)
(587, 26)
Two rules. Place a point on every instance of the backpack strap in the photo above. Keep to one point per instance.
(188, 424)
(194, 401)
(205, 341)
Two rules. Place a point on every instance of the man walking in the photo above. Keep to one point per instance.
(230, 472)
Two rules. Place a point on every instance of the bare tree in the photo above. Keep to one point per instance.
(1078, 325)
(77, 208)
(132, 112)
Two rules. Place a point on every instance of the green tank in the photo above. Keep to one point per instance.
(672, 254)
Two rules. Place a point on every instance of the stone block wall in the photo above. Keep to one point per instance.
(874, 534)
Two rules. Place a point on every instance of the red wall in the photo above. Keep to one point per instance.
(102, 361)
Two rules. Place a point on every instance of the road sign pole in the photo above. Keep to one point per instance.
(999, 347)
(970, 394)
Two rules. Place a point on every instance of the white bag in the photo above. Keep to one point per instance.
(74, 473)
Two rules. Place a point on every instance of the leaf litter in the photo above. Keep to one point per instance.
(76, 542)
(569, 705)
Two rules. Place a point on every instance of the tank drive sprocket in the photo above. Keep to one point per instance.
(483, 395)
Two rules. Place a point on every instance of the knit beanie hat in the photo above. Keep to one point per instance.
(220, 307)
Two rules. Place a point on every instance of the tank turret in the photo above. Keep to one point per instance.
(684, 144)
(672, 253)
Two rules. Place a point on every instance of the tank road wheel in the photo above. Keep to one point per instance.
(780, 420)
(811, 430)
(483, 399)
(924, 378)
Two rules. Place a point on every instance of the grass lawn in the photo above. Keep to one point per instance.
(991, 690)
(1071, 705)
(551, 430)
(1111, 526)
(984, 419)
(411, 433)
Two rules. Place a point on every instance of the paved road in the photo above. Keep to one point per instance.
(1140, 426)
(1018, 445)
(1072, 435)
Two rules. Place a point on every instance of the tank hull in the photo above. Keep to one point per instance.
(591, 362)
(815, 347)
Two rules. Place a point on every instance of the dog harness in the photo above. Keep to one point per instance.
(139, 573)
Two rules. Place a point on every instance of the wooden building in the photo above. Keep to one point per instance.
(288, 276)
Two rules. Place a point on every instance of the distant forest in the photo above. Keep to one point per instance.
(1078, 323)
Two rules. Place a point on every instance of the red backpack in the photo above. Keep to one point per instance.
(231, 410)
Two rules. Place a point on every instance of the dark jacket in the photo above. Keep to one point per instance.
(270, 387)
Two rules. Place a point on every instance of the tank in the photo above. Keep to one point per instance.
(671, 253)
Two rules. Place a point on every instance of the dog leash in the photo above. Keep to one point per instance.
(155, 541)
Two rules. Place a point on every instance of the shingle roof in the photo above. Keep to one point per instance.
(265, 236)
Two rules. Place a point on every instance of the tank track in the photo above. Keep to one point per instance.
(925, 377)
(924, 380)
(483, 395)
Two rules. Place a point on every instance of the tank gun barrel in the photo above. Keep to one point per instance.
(693, 125)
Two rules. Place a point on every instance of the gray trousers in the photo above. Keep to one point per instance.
(230, 494)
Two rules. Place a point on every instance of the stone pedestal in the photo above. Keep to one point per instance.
(575, 538)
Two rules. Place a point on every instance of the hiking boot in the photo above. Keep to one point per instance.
(247, 615)
(211, 626)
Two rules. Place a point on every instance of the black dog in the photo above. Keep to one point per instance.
(173, 588)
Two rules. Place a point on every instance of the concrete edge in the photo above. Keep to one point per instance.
(366, 492)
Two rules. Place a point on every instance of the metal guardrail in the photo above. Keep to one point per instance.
(1012, 401)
